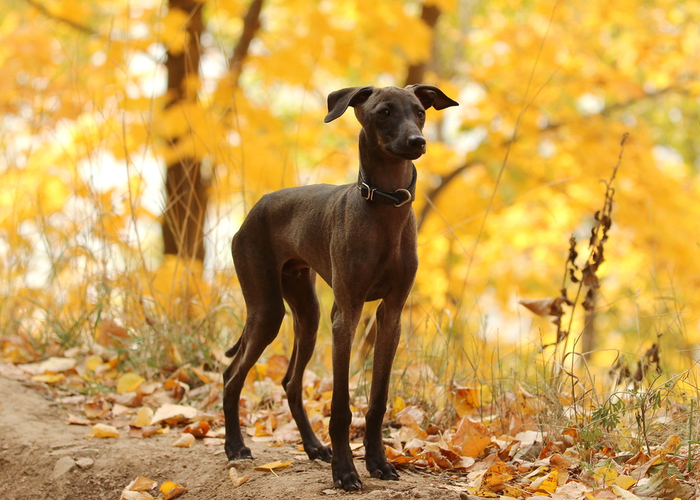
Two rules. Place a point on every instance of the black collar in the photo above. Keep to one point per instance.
(397, 198)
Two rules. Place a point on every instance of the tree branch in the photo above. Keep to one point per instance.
(44, 10)
(251, 24)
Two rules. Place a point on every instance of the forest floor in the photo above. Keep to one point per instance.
(42, 457)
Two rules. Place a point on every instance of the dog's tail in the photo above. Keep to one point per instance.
(232, 352)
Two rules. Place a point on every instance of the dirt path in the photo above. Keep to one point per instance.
(41, 457)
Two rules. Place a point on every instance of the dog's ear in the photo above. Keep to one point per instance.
(431, 96)
(339, 100)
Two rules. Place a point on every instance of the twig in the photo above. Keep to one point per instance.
(44, 10)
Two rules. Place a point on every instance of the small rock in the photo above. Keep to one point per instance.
(330, 492)
(84, 462)
(86, 452)
(63, 465)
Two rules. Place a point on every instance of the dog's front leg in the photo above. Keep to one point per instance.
(388, 335)
(345, 319)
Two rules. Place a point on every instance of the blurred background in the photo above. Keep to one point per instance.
(135, 137)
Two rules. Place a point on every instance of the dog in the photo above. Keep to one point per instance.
(361, 239)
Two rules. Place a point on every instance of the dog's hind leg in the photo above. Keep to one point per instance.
(262, 291)
(298, 291)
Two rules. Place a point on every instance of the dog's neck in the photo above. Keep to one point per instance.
(381, 170)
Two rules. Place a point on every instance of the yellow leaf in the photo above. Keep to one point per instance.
(49, 378)
(670, 446)
(482, 493)
(174, 33)
(625, 482)
(495, 476)
(399, 404)
(105, 431)
(184, 441)
(607, 474)
(269, 467)
(143, 417)
(129, 382)
(547, 483)
(171, 490)
(93, 362)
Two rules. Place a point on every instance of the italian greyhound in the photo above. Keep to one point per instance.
(361, 239)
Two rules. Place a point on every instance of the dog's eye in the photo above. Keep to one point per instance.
(421, 115)
(384, 113)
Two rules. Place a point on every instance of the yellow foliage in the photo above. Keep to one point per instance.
(173, 31)
(84, 87)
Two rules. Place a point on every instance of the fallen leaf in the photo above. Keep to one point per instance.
(410, 415)
(171, 490)
(559, 461)
(471, 438)
(141, 484)
(97, 407)
(623, 493)
(570, 491)
(93, 362)
(148, 431)
(277, 367)
(72, 419)
(53, 365)
(143, 417)
(670, 445)
(663, 486)
(119, 409)
(48, 378)
(173, 414)
(399, 404)
(105, 431)
(465, 400)
(269, 467)
(184, 441)
(608, 475)
(235, 479)
(129, 382)
(198, 429)
(625, 482)
(201, 375)
(496, 475)
(548, 483)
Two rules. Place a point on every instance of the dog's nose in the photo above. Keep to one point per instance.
(416, 141)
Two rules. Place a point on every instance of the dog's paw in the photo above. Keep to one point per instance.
(384, 471)
(319, 452)
(348, 482)
(238, 453)
(346, 477)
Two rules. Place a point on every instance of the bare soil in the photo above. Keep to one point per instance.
(34, 441)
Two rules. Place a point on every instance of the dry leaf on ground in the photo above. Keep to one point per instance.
(105, 431)
(272, 466)
(184, 441)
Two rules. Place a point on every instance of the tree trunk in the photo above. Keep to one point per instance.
(186, 192)
(416, 72)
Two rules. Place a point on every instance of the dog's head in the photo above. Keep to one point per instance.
(391, 116)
